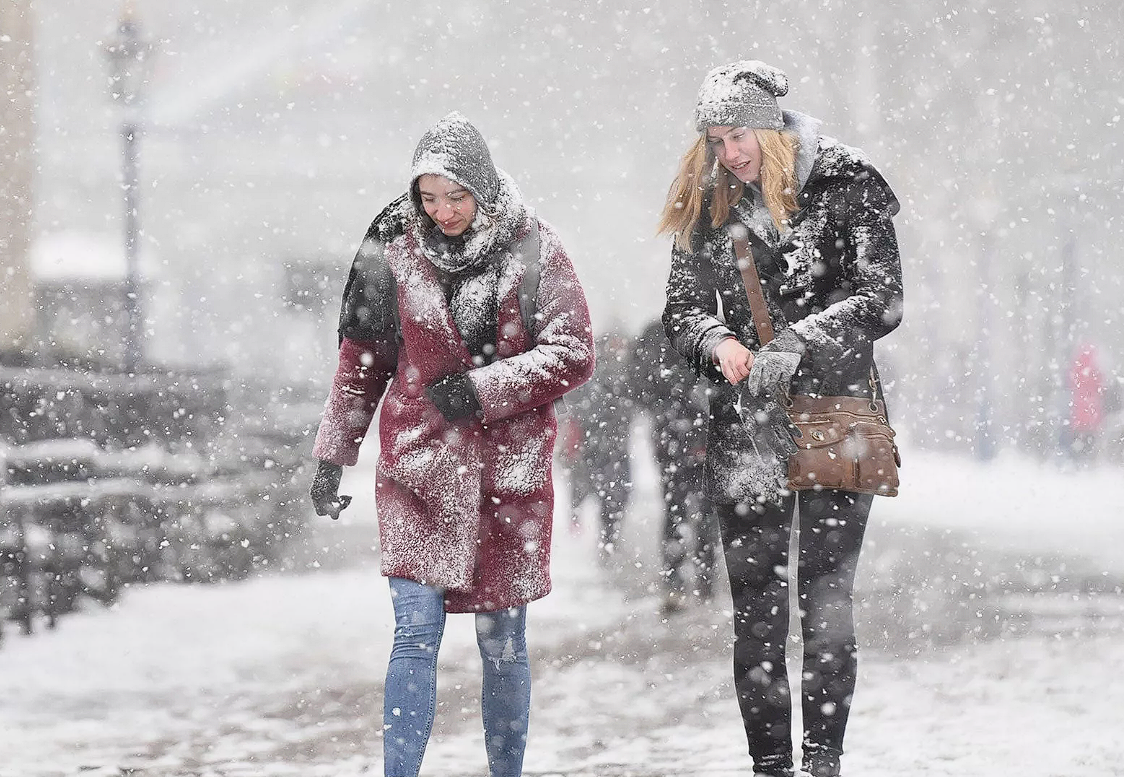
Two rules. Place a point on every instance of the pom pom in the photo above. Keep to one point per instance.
(767, 77)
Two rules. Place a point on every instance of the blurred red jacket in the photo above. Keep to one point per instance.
(1087, 387)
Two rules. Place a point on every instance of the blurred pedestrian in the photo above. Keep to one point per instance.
(432, 319)
(602, 411)
(1087, 404)
(817, 216)
(669, 391)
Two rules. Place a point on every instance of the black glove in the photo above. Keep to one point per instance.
(325, 488)
(774, 365)
(454, 397)
(773, 432)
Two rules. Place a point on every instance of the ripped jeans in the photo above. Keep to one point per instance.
(410, 695)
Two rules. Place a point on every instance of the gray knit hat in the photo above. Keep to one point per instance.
(455, 149)
(741, 94)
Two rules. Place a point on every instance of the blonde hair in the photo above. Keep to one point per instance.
(699, 171)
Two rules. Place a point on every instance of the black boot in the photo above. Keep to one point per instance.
(820, 761)
(773, 766)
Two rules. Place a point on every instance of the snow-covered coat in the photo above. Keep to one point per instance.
(670, 392)
(465, 506)
(602, 410)
(833, 277)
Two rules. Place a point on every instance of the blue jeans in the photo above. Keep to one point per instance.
(410, 695)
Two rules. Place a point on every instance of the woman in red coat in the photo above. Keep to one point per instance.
(432, 319)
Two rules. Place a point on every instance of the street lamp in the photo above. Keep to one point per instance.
(129, 57)
(986, 212)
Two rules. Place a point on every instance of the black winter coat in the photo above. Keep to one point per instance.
(604, 408)
(834, 278)
(665, 387)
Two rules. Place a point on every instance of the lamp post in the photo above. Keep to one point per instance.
(986, 210)
(128, 55)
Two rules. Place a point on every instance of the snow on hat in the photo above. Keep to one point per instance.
(741, 94)
(455, 149)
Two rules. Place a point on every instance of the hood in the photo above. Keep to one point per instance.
(807, 131)
(455, 149)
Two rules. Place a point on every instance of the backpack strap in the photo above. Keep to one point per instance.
(528, 252)
(395, 313)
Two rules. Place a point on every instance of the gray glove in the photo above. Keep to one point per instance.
(774, 434)
(774, 365)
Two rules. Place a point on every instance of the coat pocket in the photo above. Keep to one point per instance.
(518, 454)
(794, 289)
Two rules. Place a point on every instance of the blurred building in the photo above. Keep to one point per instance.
(79, 292)
(17, 142)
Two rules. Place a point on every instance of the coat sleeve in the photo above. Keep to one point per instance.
(690, 316)
(365, 368)
(871, 274)
(562, 357)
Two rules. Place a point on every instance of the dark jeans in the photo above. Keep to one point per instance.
(610, 483)
(690, 531)
(831, 527)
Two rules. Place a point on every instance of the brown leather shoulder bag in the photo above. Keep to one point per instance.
(844, 442)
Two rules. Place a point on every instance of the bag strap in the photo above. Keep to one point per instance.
(757, 307)
(395, 313)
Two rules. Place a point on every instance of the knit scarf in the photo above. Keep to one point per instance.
(493, 227)
(469, 265)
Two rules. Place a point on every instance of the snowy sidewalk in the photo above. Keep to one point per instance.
(283, 675)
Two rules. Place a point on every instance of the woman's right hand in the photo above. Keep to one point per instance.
(734, 359)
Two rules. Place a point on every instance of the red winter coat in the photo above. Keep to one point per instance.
(465, 506)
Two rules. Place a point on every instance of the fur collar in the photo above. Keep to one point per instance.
(751, 210)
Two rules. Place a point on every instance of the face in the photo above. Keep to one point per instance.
(737, 150)
(448, 203)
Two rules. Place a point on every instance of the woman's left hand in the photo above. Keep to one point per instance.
(772, 371)
(775, 364)
(454, 397)
(326, 498)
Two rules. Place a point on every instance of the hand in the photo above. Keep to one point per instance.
(772, 373)
(454, 397)
(734, 359)
(775, 364)
(774, 434)
(325, 487)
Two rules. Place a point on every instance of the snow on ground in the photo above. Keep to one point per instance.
(283, 675)
(1025, 505)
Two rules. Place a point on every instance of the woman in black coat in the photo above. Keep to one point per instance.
(817, 216)
(670, 392)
